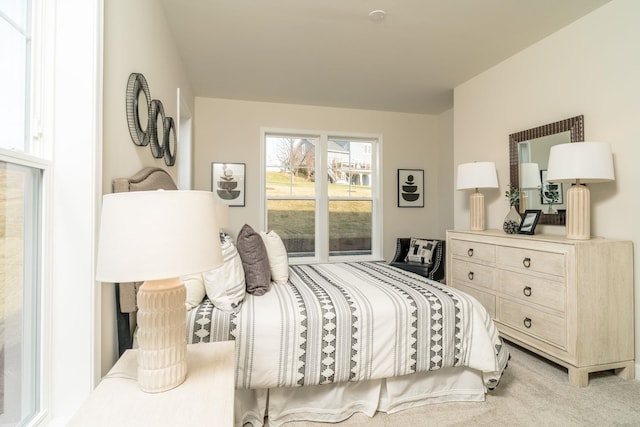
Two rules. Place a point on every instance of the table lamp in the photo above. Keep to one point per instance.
(474, 176)
(157, 236)
(579, 163)
(222, 216)
(529, 179)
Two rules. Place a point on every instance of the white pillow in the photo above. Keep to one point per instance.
(195, 289)
(225, 285)
(278, 258)
(420, 250)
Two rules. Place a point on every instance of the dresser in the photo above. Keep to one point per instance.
(206, 395)
(570, 301)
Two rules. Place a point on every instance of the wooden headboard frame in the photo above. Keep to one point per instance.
(148, 179)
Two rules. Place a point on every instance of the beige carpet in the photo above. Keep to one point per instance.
(532, 392)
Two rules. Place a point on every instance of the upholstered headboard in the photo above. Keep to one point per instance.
(148, 179)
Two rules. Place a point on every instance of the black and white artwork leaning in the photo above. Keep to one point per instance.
(410, 188)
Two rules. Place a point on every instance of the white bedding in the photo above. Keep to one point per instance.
(351, 326)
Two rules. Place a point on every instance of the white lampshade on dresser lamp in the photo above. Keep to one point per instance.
(476, 175)
(529, 180)
(580, 163)
(157, 236)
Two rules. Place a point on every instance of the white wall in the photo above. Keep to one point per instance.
(136, 39)
(591, 67)
(229, 131)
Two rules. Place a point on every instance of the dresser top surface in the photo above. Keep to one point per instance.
(552, 238)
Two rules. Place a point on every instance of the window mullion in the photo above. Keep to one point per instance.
(322, 205)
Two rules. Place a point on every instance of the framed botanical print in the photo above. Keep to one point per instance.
(228, 183)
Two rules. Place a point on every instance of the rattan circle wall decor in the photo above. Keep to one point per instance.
(158, 131)
(156, 128)
(136, 87)
(170, 142)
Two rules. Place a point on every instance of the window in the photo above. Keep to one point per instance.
(15, 20)
(19, 297)
(333, 218)
(21, 177)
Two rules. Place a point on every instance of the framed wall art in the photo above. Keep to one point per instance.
(410, 188)
(550, 193)
(228, 183)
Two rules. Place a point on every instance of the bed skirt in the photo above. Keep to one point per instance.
(337, 402)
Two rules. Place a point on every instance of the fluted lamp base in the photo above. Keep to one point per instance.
(524, 201)
(162, 363)
(476, 211)
(578, 213)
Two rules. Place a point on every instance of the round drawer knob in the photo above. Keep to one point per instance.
(470, 252)
(526, 262)
(527, 322)
(527, 291)
(470, 275)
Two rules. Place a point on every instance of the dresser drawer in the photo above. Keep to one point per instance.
(487, 300)
(532, 321)
(532, 260)
(475, 274)
(473, 251)
(538, 290)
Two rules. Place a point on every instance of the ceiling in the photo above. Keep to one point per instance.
(330, 53)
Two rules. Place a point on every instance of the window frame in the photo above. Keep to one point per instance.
(37, 336)
(322, 198)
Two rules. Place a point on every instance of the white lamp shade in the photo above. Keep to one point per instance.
(222, 215)
(584, 161)
(477, 175)
(150, 235)
(529, 176)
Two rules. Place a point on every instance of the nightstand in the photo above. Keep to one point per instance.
(206, 396)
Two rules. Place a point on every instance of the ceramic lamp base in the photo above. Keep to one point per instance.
(524, 201)
(578, 213)
(162, 363)
(476, 211)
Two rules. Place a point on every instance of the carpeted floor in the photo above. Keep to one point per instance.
(532, 392)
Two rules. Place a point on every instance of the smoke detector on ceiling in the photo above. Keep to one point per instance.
(377, 15)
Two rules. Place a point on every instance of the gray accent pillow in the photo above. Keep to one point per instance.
(255, 261)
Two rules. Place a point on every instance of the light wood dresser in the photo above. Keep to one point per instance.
(570, 301)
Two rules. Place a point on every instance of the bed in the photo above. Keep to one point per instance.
(341, 338)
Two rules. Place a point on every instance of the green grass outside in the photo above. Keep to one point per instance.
(295, 219)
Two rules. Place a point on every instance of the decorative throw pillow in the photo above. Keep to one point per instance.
(255, 261)
(420, 250)
(278, 258)
(225, 285)
(195, 289)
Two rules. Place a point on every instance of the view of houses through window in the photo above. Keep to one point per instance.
(321, 218)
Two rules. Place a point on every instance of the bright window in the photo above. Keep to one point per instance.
(20, 190)
(15, 73)
(21, 177)
(323, 219)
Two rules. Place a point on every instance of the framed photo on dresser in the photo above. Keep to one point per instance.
(529, 221)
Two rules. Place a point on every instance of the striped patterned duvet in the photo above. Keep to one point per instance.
(352, 322)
